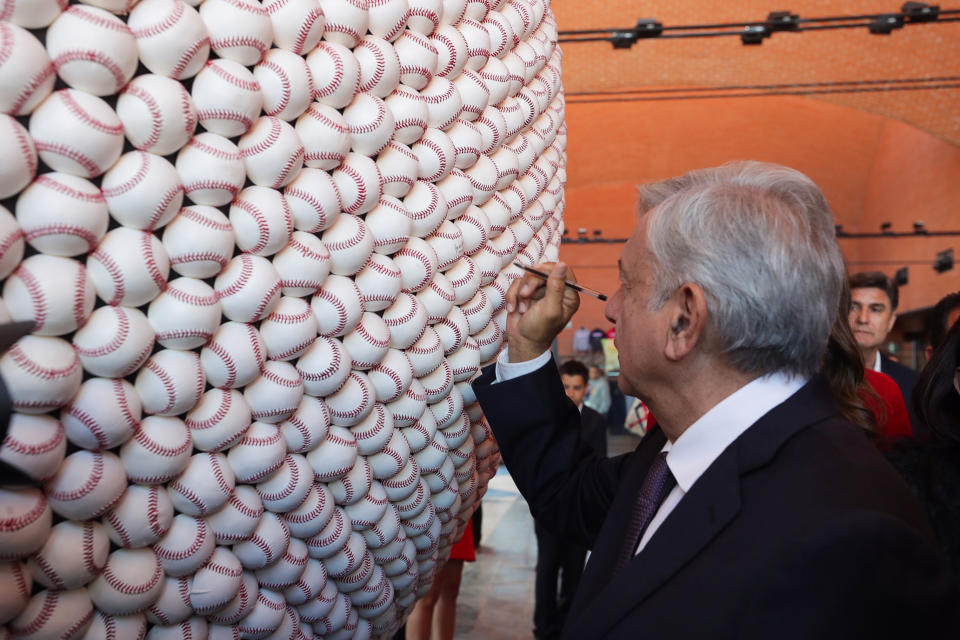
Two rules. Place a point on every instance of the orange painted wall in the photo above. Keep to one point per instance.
(871, 168)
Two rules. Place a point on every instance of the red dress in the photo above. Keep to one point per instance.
(897, 420)
(463, 548)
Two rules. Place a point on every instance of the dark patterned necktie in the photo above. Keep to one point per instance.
(656, 485)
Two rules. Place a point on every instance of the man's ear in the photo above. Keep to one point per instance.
(688, 321)
(893, 321)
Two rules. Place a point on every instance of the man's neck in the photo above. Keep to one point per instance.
(869, 357)
(683, 402)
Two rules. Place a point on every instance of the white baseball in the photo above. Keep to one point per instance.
(379, 66)
(129, 267)
(389, 222)
(26, 521)
(141, 517)
(438, 382)
(387, 462)
(465, 361)
(336, 616)
(227, 97)
(285, 82)
(359, 182)
(379, 282)
(453, 11)
(388, 18)
(410, 113)
(325, 136)
(158, 451)
(336, 73)
(239, 607)
(313, 514)
(216, 583)
(236, 520)
(187, 546)
(417, 262)
(488, 264)
(258, 454)
(142, 190)
(424, 15)
(309, 585)
(368, 342)
(173, 605)
(426, 353)
(502, 35)
(398, 169)
(18, 156)
(41, 373)
(240, 30)
(266, 616)
(103, 414)
(352, 402)
(15, 586)
(350, 244)
(467, 140)
(219, 420)
(185, 315)
(313, 200)
(267, 545)
(414, 504)
(308, 425)
(399, 487)
(93, 50)
(425, 205)
(114, 342)
(406, 319)
(35, 445)
(493, 130)
(210, 169)
(478, 44)
(276, 394)
(392, 376)
(474, 92)
(87, 484)
(54, 614)
(171, 37)
(55, 293)
(517, 70)
(419, 434)
(370, 123)
(436, 155)
(331, 538)
(323, 367)
(287, 487)
(505, 245)
(272, 152)
(11, 242)
(349, 558)
(203, 486)
(337, 306)
(27, 72)
(289, 330)
(452, 51)
(346, 21)
(248, 288)
(437, 298)
(447, 242)
(497, 293)
(129, 626)
(386, 528)
(452, 330)
(170, 382)
(261, 220)
(199, 241)
(444, 103)
(157, 114)
(474, 226)
(77, 133)
(478, 311)
(297, 24)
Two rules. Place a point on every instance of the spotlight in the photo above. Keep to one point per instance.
(944, 261)
(783, 21)
(920, 11)
(886, 227)
(885, 24)
(597, 233)
(648, 28)
(838, 230)
(919, 227)
(902, 276)
(623, 39)
(754, 34)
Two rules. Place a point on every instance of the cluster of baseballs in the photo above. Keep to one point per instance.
(280, 440)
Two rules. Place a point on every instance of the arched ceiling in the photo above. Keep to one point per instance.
(921, 53)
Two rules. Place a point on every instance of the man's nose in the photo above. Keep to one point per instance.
(862, 316)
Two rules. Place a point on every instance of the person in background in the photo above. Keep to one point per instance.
(874, 299)
(581, 341)
(557, 557)
(598, 391)
(931, 463)
(944, 315)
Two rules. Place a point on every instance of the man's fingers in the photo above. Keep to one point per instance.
(556, 286)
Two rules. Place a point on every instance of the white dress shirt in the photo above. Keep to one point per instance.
(690, 455)
(877, 362)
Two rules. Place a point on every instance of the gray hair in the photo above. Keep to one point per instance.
(759, 239)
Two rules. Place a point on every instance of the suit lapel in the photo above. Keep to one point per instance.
(712, 502)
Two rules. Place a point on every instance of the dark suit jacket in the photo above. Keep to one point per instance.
(593, 430)
(798, 530)
(906, 379)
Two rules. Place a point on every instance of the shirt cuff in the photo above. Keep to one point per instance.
(507, 370)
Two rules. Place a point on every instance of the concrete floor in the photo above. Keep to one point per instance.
(496, 592)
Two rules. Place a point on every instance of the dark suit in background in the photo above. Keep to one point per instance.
(559, 557)
(798, 530)
(906, 379)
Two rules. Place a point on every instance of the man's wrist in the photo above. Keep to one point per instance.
(520, 350)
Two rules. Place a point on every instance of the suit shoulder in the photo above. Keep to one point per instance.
(897, 371)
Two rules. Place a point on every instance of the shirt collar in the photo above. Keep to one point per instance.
(690, 455)
(877, 362)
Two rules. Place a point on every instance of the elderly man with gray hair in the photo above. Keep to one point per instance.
(752, 510)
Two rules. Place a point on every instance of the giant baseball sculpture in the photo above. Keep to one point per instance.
(265, 248)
